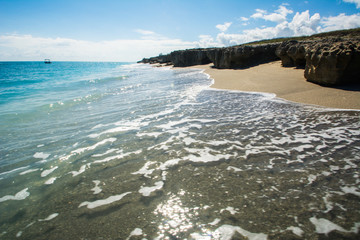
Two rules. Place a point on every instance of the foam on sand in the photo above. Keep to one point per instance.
(96, 189)
(18, 196)
(146, 191)
(324, 226)
(47, 172)
(226, 232)
(50, 180)
(102, 202)
(135, 232)
(50, 217)
(81, 170)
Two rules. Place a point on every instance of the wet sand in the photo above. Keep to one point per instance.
(286, 83)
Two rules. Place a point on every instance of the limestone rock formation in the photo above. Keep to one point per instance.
(159, 59)
(292, 53)
(329, 61)
(190, 57)
(243, 56)
(333, 61)
(328, 58)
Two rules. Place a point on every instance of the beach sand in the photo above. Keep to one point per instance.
(286, 83)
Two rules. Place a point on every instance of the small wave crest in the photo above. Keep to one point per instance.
(108, 79)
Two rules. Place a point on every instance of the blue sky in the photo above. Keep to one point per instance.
(119, 30)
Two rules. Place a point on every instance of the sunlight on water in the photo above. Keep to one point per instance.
(120, 151)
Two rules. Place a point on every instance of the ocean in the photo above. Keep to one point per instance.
(98, 150)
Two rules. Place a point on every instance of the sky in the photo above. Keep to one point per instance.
(129, 30)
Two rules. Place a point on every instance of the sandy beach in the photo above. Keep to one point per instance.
(286, 83)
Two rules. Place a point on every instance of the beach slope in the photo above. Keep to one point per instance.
(286, 83)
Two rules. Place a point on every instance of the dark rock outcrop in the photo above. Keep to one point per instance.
(190, 57)
(330, 61)
(243, 56)
(333, 62)
(328, 58)
(159, 59)
(292, 53)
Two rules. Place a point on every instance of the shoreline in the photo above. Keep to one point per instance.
(287, 83)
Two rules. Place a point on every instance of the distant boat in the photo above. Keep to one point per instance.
(47, 61)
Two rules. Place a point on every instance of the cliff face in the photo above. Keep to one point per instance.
(328, 58)
(330, 61)
(191, 57)
(243, 56)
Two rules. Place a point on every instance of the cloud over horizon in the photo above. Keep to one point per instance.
(283, 21)
(301, 24)
(30, 48)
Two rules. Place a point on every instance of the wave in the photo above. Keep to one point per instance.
(108, 79)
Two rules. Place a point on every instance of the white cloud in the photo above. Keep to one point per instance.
(278, 16)
(244, 19)
(259, 13)
(144, 32)
(224, 27)
(303, 24)
(357, 2)
(341, 21)
(206, 41)
(27, 47)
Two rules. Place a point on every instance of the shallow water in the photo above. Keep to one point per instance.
(134, 152)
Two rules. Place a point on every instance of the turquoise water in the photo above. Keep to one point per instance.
(128, 151)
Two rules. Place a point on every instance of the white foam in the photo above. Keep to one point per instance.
(41, 155)
(205, 155)
(18, 196)
(135, 232)
(96, 189)
(81, 170)
(351, 190)
(170, 163)
(47, 172)
(311, 179)
(50, 217)
(119, 156)
(189, 141)
(215, 222)
(51, 180)
(103, 202)
(19, 234)
(14, 170)
(81, 150)
(296, 230)
(29, 171)
(105, 153)
(234, 168)
(230, 210)
(324, 226)
(329, 205)
(226, 232)
(150, 134)
(145, 169)
(198, 236)
(122, 127)
(146, 191)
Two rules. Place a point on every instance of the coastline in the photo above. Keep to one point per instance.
(287, 83)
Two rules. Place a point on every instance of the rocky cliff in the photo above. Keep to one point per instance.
(191, 57)
(329, 61)
(328, 58)
(243, 56)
